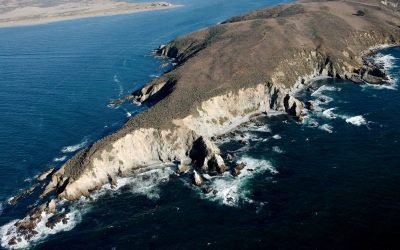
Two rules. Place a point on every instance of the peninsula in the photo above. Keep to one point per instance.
(31, 12)
(226, 74)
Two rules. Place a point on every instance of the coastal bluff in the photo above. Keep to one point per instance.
(224, 75)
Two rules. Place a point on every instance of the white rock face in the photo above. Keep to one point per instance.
(197, 180)
(146, 146)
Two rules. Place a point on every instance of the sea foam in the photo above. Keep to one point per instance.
(76, 147)
(8, 231)
(60, 159)
(385, 61)
(358, 120)
(326, 127)
(231, 191)
(325, 88)
(145, 183)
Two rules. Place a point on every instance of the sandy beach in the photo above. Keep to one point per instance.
(33, 12)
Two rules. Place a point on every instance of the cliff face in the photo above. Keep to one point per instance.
(145, 146)
(244, 67)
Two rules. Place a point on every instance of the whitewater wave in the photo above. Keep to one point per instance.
(60, 159)
(387, 62)
(76, 147)
(329, 113)
(264, 128)
(325, 88)
(9, 231)
(231, 191)
(326, 127)
(277, 149)
(358, 120)
(145, 183)
(277, 137)
(392, 86)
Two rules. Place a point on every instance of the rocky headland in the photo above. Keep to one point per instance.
(225, 75)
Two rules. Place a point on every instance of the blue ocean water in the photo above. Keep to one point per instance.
(331, 182)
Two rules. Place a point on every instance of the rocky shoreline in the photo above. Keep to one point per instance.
(225, 75)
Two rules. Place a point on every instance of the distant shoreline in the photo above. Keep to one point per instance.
(29, 16)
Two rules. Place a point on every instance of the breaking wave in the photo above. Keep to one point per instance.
(60, 159)
(325, 88)
(387, 62)
(9, 231)
(357, 120)
(326, 127)
(145, 183)
(76, 147)
(231, 191)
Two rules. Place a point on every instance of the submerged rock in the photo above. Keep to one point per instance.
(229, 157)
(55, 219)
(207, 190)
(309, 105)
(20, 196)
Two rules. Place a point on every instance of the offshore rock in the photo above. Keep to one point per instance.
(197, 179)
(216, 163)
(207, 190)
(182, 168)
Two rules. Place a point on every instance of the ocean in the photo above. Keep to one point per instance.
(331, 182)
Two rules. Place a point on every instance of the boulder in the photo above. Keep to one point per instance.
(216, 163)
(207, 190)
(197, 180)
(55, 219)
(51, 206)
(15, 199)
(356, 78)
(309, 105)
(182, 168)
(229, 157)
(240, 166)
(235, 171)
